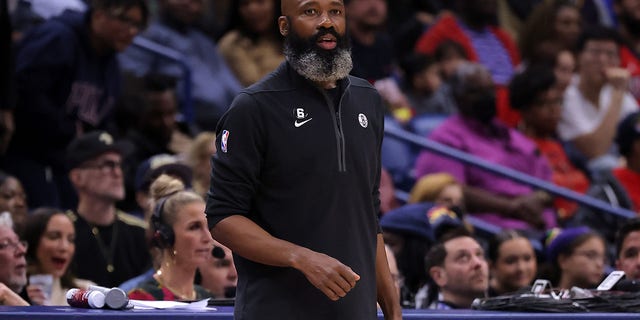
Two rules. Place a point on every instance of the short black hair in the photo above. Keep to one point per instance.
(527, 85)
(415, 63)
(447, 47)
(629, 226)
(597, 32)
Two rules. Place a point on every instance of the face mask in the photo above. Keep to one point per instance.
(484, 107)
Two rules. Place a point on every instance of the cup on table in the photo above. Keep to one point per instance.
(45, 282)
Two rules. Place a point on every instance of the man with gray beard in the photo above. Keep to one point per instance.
(294, 189)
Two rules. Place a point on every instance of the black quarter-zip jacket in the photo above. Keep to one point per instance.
(307, 172)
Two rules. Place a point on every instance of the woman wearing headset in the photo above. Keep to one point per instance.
(180, 230)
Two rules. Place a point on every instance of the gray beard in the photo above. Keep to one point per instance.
(311, 66)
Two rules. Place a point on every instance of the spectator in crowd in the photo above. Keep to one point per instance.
(408, 19)
(627, 248)
(179, 229)
(149, 107)
(372, 52)
(439, 188)
(458, 272)
(552, 26)
(51, 238)
(371, 46)
(13, 199)
(575, 257)
(596, 100)
(535, 94)
(297, 235)
(564, 65)
(67, 82)
(475, 130)
(150, 170)
(512, 262)
(146, 174)
(628, 17)
(213, 83)
(449, 55)
(472, 26)
(110, 244)
(423, 86)
(618, 186)
(628, 142)
(198, 157)
(13, 266)
(30, 13)
(408, 234)
(218, 273)
(252, 44)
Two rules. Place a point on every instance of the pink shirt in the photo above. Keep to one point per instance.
(504, 146)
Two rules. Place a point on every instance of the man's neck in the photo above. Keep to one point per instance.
(97, 212)
(460, 301)
(326, 85)
(590, 90)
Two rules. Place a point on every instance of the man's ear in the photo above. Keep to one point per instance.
(75, 177)
(438, 275)
(283, 25)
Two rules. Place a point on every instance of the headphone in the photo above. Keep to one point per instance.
(163, 237)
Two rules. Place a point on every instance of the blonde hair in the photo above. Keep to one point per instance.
(198, 149)
(429, 187)
(171, 188)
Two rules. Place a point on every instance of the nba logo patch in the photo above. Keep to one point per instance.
(223, 141)
(363, 120)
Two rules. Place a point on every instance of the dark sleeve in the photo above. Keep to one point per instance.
(236, 166)
(45, 61)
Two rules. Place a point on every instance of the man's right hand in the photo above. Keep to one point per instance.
(327, 274)
(618, 78)
(10, 298)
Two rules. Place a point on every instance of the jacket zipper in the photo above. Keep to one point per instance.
(337, 124)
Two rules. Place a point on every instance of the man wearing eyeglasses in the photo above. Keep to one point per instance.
(13, 266)
(110, 244)
(67, 80)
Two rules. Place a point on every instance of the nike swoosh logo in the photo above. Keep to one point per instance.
(299, 124)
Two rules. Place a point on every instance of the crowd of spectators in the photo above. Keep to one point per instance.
(99, 98)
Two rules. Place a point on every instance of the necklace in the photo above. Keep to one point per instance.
(107, 252)
(191, 296)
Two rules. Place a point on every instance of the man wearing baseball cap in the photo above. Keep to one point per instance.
(110, 244)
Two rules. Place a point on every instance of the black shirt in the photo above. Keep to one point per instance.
(128, 255)
(308, 175)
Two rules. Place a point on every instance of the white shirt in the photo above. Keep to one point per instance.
(580, 116)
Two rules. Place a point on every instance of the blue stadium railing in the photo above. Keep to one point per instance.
(186, 110)
(435, 147)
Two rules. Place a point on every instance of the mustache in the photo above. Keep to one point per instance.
(324, 31)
